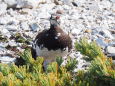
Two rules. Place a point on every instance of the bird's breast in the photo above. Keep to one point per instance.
(50, 54)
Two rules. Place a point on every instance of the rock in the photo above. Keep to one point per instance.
(112, 43)
(112, 1)
(56, 2)
(22, 3)
(75, 4)
(25, 11)
(34, 27)
(59, 11)
(106, 33)
(93, 6)
(88, 31)
(113, 6)
(75, 32)
(44, 15)
(13, 22)
(5, 32)
(67, 1)
(7, 59)
(27, 3)
(12, 43)
(3, 7)
(112, 31)
(101, 42)
(110, 50)
(107, 40)
(105, 4)
(3, 21)
(25, 26)
(11, 3)
(30, 34)
(11, 28)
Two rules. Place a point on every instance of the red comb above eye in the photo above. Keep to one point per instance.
(57, 17)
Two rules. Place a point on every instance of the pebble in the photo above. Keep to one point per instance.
(101, 42)
(11, 28)
(25, 26)
(4, 7)
(88, 31)
(34, 27)
(110, 50)
(10, 3)
(59, 11)
(106, 33)
(7, 59)
(12, 43)
(27, 4)
(75, 32)
(112, 1)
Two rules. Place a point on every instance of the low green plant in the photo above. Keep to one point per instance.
(100, 73)
(102, 69)
(92, 50)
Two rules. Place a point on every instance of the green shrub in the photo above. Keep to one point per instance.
(100, 73)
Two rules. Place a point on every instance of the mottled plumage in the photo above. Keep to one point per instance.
(52, 42)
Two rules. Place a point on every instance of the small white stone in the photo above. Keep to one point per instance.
(25, 26)
(75, 31)
(3, 7)
(11, 3)
(44, 15)
(110, 50)
(4, 31)
(3, 21)
(105, 4)
(7, 59)
(12, 43)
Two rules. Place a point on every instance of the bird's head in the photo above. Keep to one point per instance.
(55, 20)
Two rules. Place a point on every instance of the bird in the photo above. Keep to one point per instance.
(51, 43)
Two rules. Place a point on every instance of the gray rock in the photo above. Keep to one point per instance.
(11, 28)
(106, 33)
(101, 43)
(112, 1)
(67, 1)
(34, 27)
(27, 3)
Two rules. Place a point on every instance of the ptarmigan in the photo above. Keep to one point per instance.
(52, 43)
